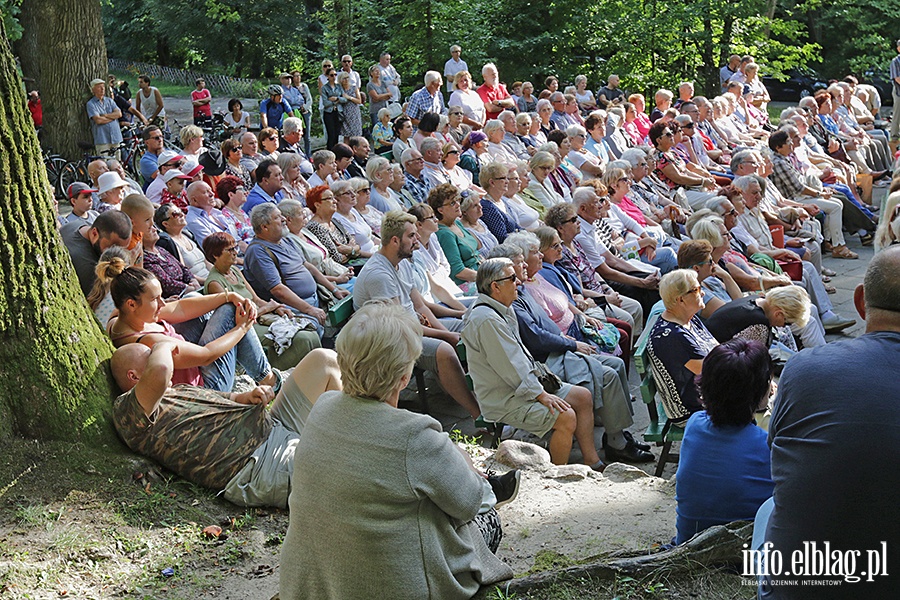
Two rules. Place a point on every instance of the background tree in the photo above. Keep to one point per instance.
(53, 355)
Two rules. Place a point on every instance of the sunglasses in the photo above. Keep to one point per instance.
(572, 220)
(510, 278)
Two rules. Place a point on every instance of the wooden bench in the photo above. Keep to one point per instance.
(654, 432)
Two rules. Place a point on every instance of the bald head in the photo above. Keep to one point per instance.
(96, 168)
(200, 195)
(127, 365)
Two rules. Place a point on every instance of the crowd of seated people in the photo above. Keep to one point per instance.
(539, 230)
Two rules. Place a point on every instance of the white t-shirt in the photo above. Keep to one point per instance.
(471, 103)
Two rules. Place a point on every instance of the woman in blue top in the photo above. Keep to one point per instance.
(724, 470)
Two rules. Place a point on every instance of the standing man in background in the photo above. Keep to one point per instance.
(454, 66)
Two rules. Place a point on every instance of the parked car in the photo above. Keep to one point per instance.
(801, 82)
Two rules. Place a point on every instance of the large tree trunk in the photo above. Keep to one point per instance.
(27, 46)
(72, 53)
(54, 379)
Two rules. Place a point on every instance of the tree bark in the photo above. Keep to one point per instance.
(54, 380)
(72, 53)
(27, 46)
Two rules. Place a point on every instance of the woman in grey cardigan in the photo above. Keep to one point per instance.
(383, 504)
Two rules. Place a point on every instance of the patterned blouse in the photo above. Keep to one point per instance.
(173, 276)
(330, 239)
(241, 172)
(664, 159)
(244, 230)
(578, 263)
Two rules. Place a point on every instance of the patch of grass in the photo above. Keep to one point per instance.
(524, 532)
(548, 560)
(165, 88)
(33, 515)
(458, 437)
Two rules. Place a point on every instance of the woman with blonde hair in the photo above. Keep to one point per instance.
(295, 186)
(678, 344)
(191, 138)
(753, 318)
(417, 530)
(539, 185)
(888, 232)
(471, 220)
(468, 99)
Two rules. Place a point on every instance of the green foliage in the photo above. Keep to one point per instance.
(9, 12)
(649, 43)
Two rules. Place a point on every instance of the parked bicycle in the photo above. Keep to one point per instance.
(54, 163)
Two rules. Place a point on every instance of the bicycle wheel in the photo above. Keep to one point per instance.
(134, 165)
(55, 164)
(71, 173)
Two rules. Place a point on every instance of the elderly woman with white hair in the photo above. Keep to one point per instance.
(496, 214)
(626, 218)
(545, 111)
(494, 130)
(316, 252)
(524, 209)
(381, 174)
(465, 97)
(471, 221)
(585, 161)
(584, 97)
(539, 185)
(350, 220)
(678, 344)
(414, 512)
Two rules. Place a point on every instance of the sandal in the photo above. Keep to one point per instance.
(826, 279)
(828, 272)
(830, 289)
(866, 240)
(827, 247)
(843, 252)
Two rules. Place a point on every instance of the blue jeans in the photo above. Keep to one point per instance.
(665, 260)
(248, 352)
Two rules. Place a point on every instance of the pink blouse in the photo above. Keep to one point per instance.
(554, 302)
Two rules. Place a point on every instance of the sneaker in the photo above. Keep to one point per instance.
(506, 487)
(837, 323)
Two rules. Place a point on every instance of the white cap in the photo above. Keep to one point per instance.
(173, 174)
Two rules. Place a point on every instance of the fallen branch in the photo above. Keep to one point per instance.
(718, 545)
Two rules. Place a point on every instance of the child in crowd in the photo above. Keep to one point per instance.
(174, 192)
(81, 199)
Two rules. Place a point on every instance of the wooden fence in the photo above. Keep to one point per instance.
(229, 86)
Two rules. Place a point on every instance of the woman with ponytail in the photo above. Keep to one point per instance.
(208, 345)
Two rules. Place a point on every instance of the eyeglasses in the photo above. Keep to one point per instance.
(572, 220)
(732, 213)
(694, 290)
(175, 213)
(455, 114)
(327, 199)
(431, 218)
(623, 180)
(603, 200)
(347, 193)
(451, 203)
(452, 152)
(501, 179)
(510, 278)
(704, 263)
(688, 126)
(556, 246)
(347, 61)
(668, 134)
(233, 249)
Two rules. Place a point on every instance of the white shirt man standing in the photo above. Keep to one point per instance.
(454, 66)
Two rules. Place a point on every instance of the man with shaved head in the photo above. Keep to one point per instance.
(834, 432)
(229, 442)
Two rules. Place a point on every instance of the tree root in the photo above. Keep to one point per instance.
(718, 545)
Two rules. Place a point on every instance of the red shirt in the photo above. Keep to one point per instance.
(204, 110)
(37, 112)
(490, 94)
(168, 198)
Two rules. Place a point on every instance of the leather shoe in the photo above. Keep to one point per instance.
(629, 439)
(878, 175)
(629, 454)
